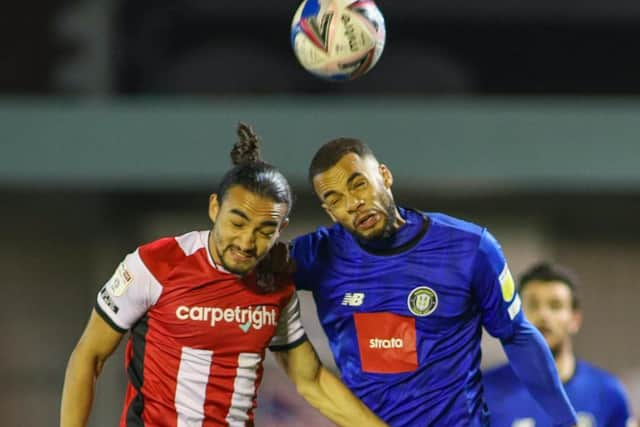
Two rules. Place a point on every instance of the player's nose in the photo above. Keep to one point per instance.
(246, 242)
(542, 320)
(354, 204)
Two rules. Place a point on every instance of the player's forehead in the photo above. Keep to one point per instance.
(246, 205)
(339, 175)
(542, 289)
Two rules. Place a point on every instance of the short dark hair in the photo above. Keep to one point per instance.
(252, 173)
(331, 153)
(549, 272)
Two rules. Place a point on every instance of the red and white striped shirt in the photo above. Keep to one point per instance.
(198, 334)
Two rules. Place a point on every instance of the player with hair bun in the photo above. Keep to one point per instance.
(200, 319)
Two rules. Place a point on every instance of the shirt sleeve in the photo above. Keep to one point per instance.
(494, 289)
(289, 332)
(525, 348)
(127, 296)
(619, 404)
(531, 361)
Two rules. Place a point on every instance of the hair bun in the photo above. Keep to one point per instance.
(247, 149)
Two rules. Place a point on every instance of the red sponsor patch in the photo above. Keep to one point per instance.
(387, 342)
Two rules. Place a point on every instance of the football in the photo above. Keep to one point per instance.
(338, 39)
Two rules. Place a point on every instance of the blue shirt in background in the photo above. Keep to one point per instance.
(596, 395)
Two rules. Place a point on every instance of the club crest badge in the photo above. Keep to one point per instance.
(422, 301)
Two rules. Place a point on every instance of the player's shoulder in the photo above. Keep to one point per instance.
(323, 232)
(471, 235)
(450, 229)
(453, 224)
(598, 376)
(170, 251)
(316, 239)
(175, 246)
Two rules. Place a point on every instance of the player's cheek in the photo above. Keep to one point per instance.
(263, 247)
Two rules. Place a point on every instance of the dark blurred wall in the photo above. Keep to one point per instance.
(433, 47)
(31, 49)
(229, 47)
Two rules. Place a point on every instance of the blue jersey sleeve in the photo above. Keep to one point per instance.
(531, 360)
(617, 400)
(493, 288)
(304, 251)
(526, 349)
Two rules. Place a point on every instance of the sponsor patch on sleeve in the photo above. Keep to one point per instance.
(108, 300)
(506, 284)
(120, 281)
(514, 307)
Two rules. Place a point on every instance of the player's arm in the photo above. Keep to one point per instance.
(322, 389)
(532, 362)
(620, 411)
(313, 381)
(97, 343)
(528, 353)
(121, 302)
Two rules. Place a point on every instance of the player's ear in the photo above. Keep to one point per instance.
(283, 224)
(576, 322)
(214, 207)
(387, 177)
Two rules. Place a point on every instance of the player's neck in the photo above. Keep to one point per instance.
(213, 252)
(565, 362)
(399, 221)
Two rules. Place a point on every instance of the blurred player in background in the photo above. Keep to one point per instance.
(551, 303)
(200, 319)
(402, 296)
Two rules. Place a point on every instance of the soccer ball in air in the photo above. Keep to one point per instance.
(338, 39)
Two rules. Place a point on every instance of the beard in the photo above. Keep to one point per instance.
(388, 221)
(231, 269)
(217, 243)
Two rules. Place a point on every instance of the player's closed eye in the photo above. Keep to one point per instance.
(267, 234)
(333, 203)
(360, 185)
(555, 305)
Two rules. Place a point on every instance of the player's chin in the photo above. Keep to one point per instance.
(553, 342)
(372, 233)
(240, 268)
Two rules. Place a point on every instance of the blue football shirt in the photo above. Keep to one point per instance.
(404, 318)
(596, 395)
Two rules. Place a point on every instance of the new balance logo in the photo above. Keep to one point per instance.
(353, 299)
